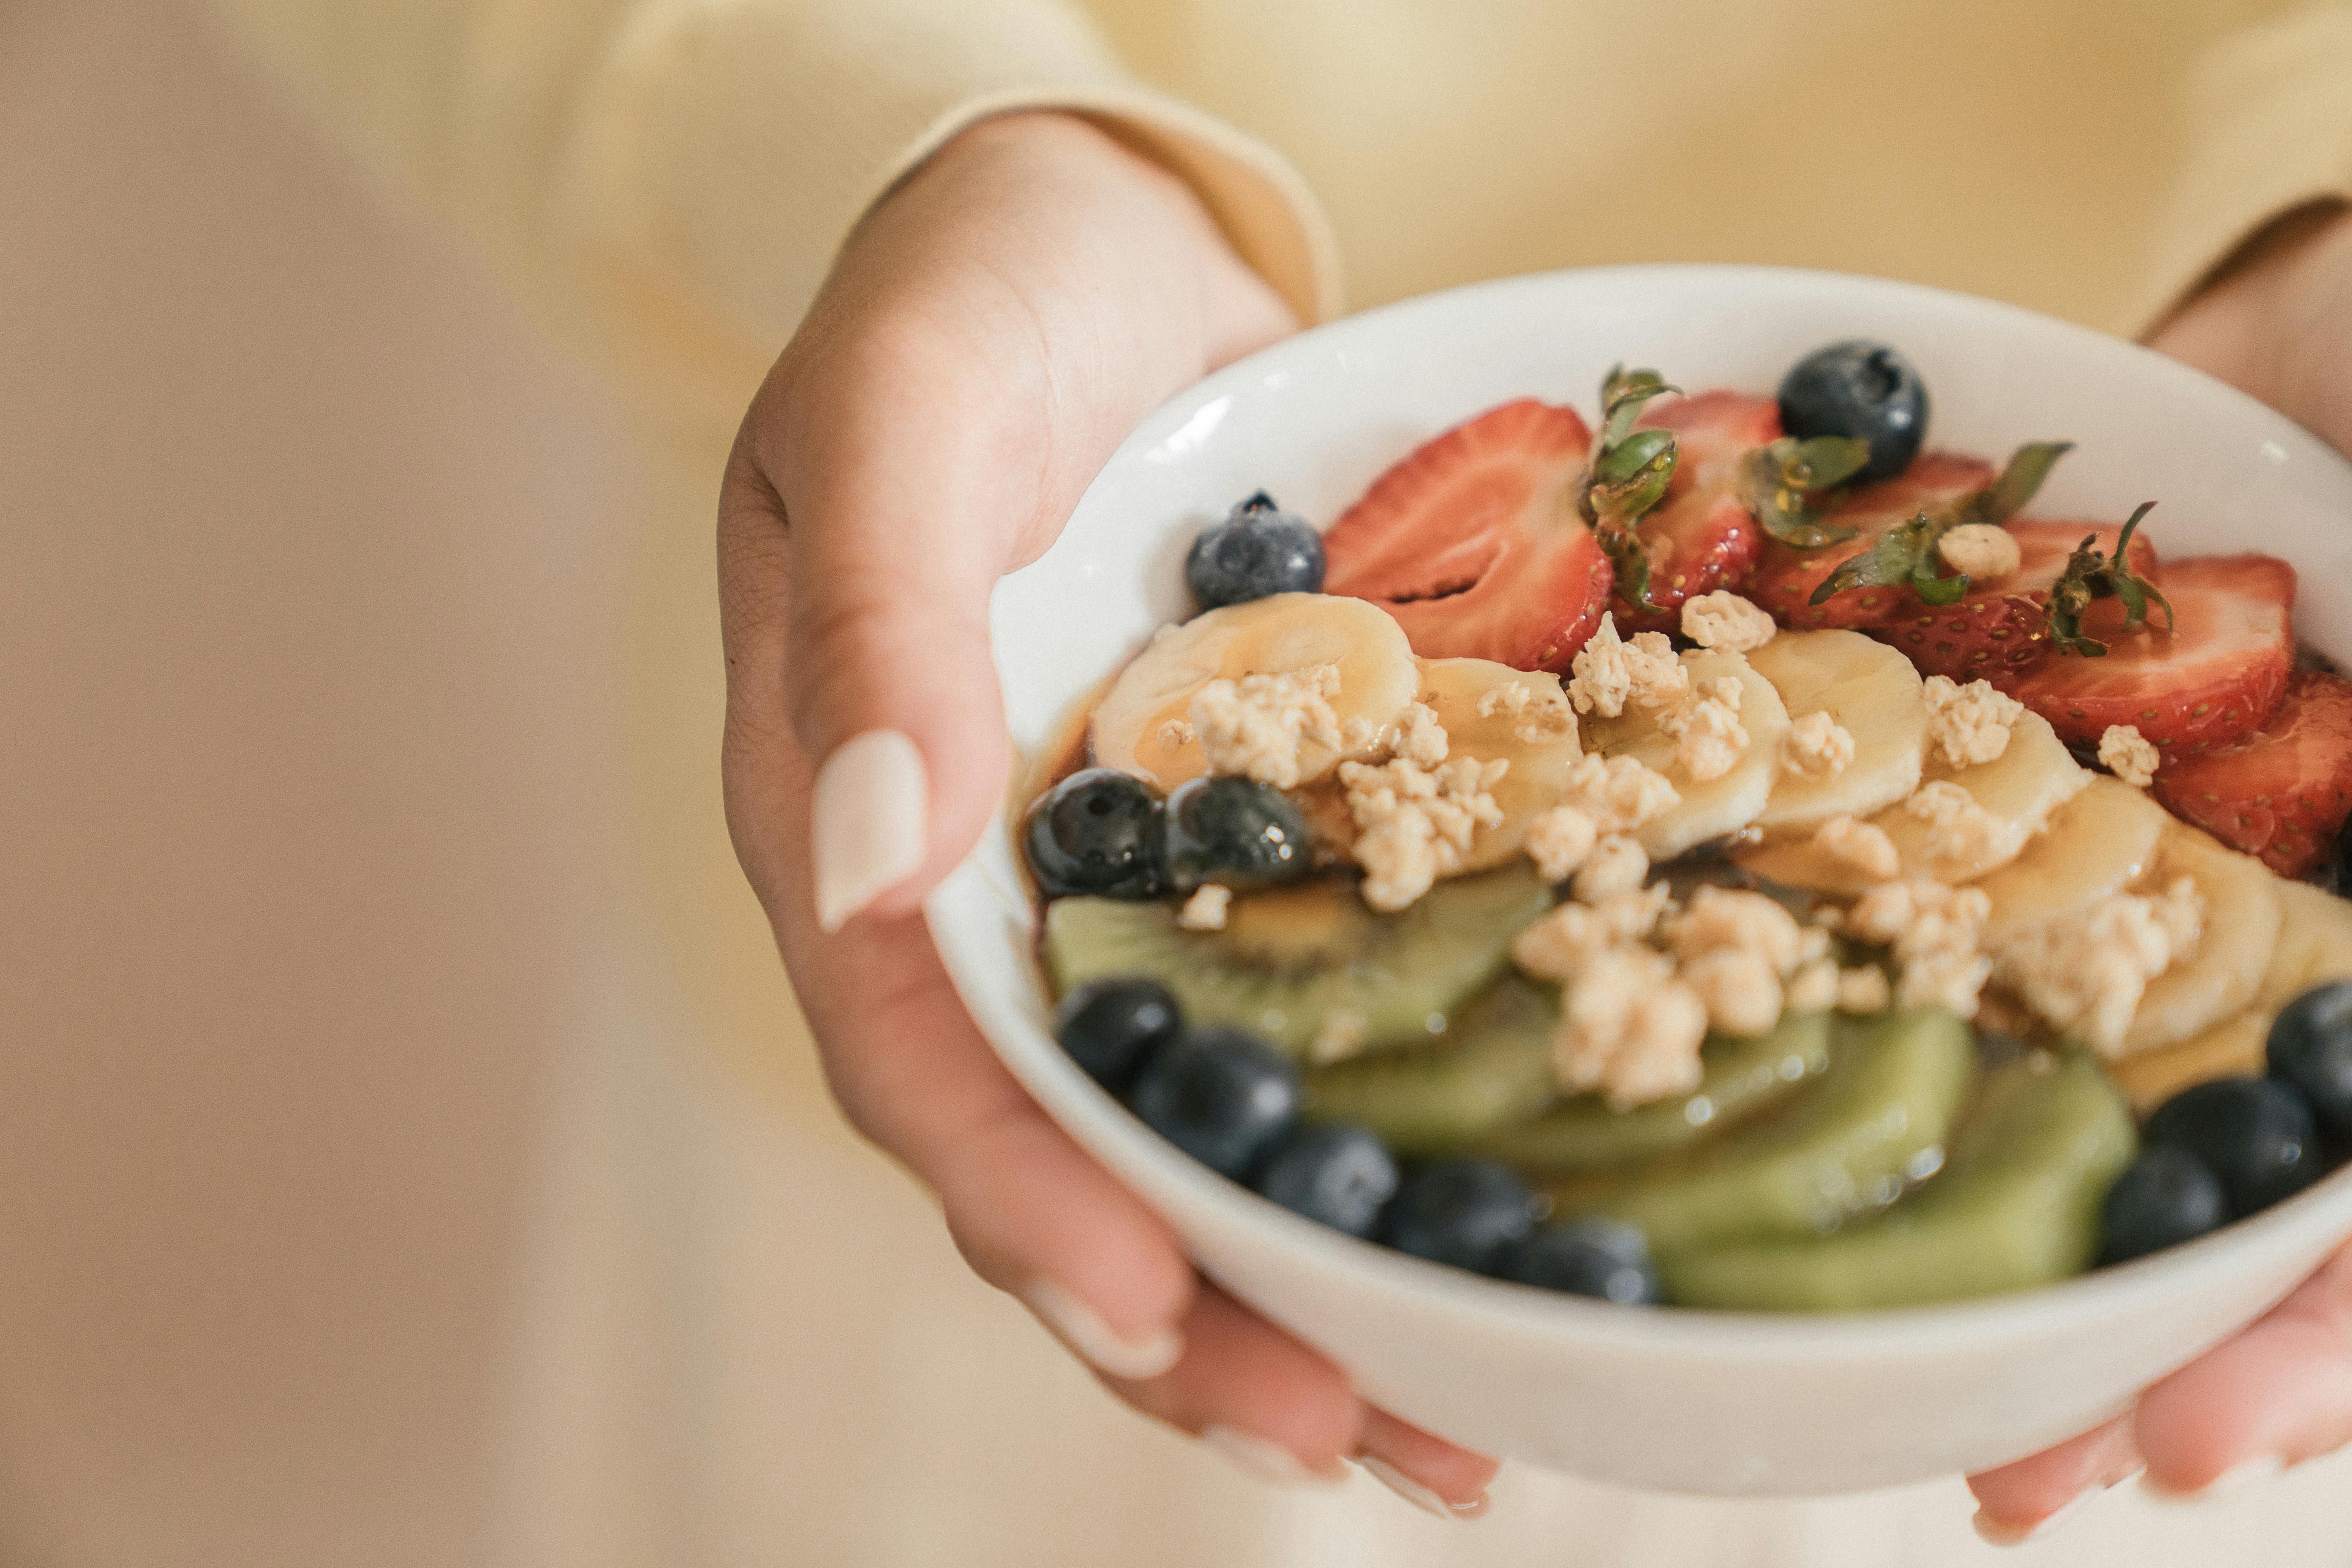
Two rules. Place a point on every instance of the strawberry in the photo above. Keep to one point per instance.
(2001, 627)
(1787, 576)
(1702, 536)
(2283, 791)
(1476, 544)
(2206, 679)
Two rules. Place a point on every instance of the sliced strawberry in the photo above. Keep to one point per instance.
(1475, 543)
(2283, 792)
(1702, 537)
(1786, 576)
(2211, 679)
(2001, 628)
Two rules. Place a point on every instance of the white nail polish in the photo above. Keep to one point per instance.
(1994, 1533)
(1079, 1327)
(1413, 1492)
(2244, 1477)
(868, 822)
(1269, 1462)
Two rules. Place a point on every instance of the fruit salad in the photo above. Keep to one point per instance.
(1730, 854)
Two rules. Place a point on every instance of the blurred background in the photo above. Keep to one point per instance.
(408, 1151)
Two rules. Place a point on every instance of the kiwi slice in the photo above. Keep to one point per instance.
(1291, 960)
(1746, 1075)
(1492, 1067)
(2018, 1206)
(1880, 1116)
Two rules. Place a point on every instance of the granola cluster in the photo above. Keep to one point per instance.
(1255, 726)
(1937, 933)
(1816, 747)
(2086, 972)
(2128, 754)
(1611, 672)
(1970, 724)
(1724, 620)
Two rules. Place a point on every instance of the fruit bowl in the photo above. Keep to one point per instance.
(1716, 1403)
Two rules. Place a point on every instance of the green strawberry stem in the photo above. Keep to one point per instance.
(1777, 480)
(1907, 552)
(2093, 575)
(1631, 470)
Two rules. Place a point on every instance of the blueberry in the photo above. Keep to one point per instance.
(1099, 831)
(1232, 831)
(2255, 1134)
(1259, 550)
(2311, 1048)
(1468, 1213)
(2163, 1198)
(1221, 1096)
(1862, 389)
(1111, 1027)
(1335, 1174)
(1605, 1258)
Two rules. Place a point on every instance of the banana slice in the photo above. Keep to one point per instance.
(1139, 727)
(2242, 928)
(2016, 791)
(2098, 843)
(1537, 732)
(1872, 693)
(2314, 946)
(1716, 808)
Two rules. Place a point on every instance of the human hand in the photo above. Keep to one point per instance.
(989, 333)
(2278, 326)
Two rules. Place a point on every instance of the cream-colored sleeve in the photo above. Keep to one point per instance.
(2270, 121)
(676, 175)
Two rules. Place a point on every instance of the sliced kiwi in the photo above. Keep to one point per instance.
(1492, 1067)
(1880, 1115)
(1746, 1075)
(2017, 1206)
(1293, 964)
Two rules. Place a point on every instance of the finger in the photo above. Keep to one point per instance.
(2277, 1394)
(1426, 1471)
(1273, 1405)
(2020, 1502)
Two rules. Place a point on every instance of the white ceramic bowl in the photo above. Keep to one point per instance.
(1727, 1403)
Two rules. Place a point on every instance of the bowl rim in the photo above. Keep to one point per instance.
(2319, 1215)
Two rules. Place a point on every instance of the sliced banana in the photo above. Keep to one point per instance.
(2098, 843)
(1872, 693)
(2232, 956)
(1537, 732)
(1142, 726)
(1716, 808)
(2230, 1049)
(2018, 792)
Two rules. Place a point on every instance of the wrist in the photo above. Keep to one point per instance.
(2266, 318)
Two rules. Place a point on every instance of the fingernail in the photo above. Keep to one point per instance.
(2242, 1477)
(1993, 1532)
(867, 822)
(1269, 1462)
(1090, 1339)
(1420, 1496)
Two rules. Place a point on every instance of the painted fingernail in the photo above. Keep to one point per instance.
(1078, 1326)
(867, 822)
(1420, 1496)
(1269, 1462)
(1994, 1532)
(2240, 1478)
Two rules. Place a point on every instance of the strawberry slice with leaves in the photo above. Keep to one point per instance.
(2283, 791)
(1791, 572)
(1477, 542)
(2001, 628)
(2206, 676)
(1703, 534)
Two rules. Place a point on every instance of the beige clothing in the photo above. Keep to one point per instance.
(395, 1205)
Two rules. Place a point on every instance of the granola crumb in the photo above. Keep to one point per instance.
(1814, 988)
(1630, 1029)
(1539, 718)
(2086, 973)
(1982, 549)
(1558, 840)
(1724, 620)
(1970, 723)
(1415, 823)
(1958, 829)
(1255, 726)
(1817, 746)
(1617, 865)
(1709, 738)
(1862, 989)
(1420, 738)
(2128, 754)
(1618, 793)
(1562, 943)
(1610, 671)
(1734, 919)
(1864, 846)
(1936, 931)
(1177, 732)
(1339, 1037)
(1739, 988)
(1205, 909)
